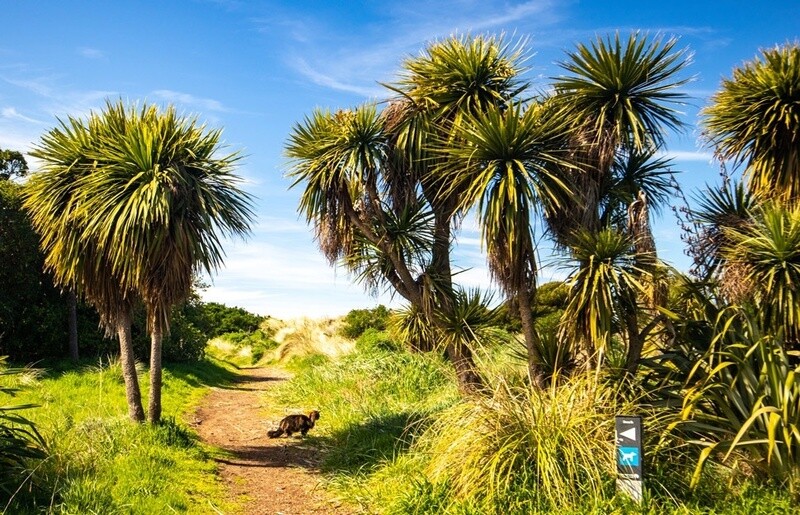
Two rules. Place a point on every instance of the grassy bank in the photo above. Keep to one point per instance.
(98, 462)
(398, 440)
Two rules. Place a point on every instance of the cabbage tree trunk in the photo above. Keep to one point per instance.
(154, 400)
(128, 363)
(72, 321)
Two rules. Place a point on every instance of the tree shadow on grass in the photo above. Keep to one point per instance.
(245, 378)
(365, 445)
(204, 373)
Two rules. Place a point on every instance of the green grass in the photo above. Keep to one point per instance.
(395, 436)
(372, 405)
(397, 439)
(99, 462)
(241, 349)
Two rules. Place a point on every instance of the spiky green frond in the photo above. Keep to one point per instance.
(624, 91)
(730, 206)
(505, 168)
(634, 172)
(74, 259)
(410, 234)
(605, 282)
(755, 119)
(768, 250)
(470, 319)
(451, 79)
(143, 194)
(463, 74)
(338, 158)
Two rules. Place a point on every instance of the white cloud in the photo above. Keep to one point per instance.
(37, 86)
(285, 280)
(321, 79)
(91, 53)
(467, 241)
(355, 62)
(688, 155)
(206, 104)
(12, 114)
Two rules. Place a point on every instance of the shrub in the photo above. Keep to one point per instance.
(215, 319)
(524, 450)
(20, 442)
(743, 401)
(359, 320)
(185, 342)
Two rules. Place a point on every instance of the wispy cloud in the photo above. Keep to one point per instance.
(20, 128)
(91, 53)
(58, 100)
(687, 155)
(38, 86)
(11, 113)
(328, 81)
(355, 62)
(206, 104)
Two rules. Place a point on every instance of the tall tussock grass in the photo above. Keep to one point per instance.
(525, 448)
(372, 406)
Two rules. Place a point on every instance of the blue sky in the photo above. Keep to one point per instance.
(255, 68)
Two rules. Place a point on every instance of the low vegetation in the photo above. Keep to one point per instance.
(397, 439)
(85, 457)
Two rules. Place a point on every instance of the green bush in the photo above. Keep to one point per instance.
(214, 319)
(185, 342)
(742, 402)
(359, 320)
(551, 297)
(21, 445)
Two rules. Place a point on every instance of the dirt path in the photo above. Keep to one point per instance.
(271, 476)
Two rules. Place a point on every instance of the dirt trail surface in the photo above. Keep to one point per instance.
(271, 476)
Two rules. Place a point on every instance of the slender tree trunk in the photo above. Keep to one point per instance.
(469, 382)
(535, 371)
(440, 253)
(72, 306)
(635, 343)
(132, 393)
(154, 401)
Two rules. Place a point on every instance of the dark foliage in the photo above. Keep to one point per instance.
(357, 321)
(214, 319)
(33, 313)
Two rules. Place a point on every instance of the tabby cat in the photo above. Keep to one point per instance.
(294, 424)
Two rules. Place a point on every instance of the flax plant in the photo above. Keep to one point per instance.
(743, 402)
(767, 251)
(21, 445)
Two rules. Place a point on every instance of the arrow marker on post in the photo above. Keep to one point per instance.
(630, 434)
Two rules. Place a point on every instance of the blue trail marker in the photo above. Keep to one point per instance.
(630, 458)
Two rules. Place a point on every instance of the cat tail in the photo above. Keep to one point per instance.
(275, 434)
